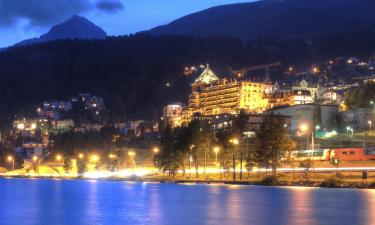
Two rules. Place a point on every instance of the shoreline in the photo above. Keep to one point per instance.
(307, 183)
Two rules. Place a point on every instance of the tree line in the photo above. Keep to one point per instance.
(188, 148)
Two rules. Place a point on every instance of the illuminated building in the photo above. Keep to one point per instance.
(25, 127)
(305, 86)
(173, 114)
(300, 97)
(332, 97)
(213, 96)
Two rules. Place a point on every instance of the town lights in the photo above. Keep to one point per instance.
(58, 157)
(234, 141)
(112, 156)
(21, 126)
(350, 129)
(35, 158)
(216, 150)
(95, 158)
(156, 150)
(80, 156)
(10, 159)
(315, 70)
(369, 123)
(304, 127)
(131, 153)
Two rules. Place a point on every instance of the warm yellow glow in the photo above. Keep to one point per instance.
(315, 70)
(80, 155)
(156, 150)
(131, 153)
(216, 149)
(10, 158)
(33, 126)
(304, 127)
(35, 158)
(58, 157)
(112, 156)
(21, 126)
(234, 141)
(95, 158)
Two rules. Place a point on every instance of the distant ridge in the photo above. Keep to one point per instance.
(76, 27)
(283, 18)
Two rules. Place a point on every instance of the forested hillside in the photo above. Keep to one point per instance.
(132, 72)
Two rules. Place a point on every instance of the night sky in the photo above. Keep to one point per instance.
(22, 19)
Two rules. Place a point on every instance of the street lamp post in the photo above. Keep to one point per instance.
(11, 159)
(369, 123)
(36, 160)
(216, 150)
(305, 128)
(190, 159)
(132, 155)
(156, 151)
(59, 158)
(234, 142)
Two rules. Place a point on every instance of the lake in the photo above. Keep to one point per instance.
(84, 202)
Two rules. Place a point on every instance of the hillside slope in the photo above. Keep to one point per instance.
(286, 18)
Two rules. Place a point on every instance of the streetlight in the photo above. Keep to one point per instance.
(11, 159)
(80, 156)
(216, 150)
(36, 160)
(95, 158)
(112, 156)
(59, 158)
(156, 151)
(350, 129)
(234, 141)
(190, 158)
(305, 128)
(369, 123)
(132, 154)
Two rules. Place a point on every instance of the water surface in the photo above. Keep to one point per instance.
(77, 202)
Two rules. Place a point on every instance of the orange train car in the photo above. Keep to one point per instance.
(343, 154)
(350, 154)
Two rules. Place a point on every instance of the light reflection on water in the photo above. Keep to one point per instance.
(74, 202)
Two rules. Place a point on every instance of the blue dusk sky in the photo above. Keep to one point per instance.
(23, 19)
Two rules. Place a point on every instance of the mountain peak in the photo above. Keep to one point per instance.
(76, 27)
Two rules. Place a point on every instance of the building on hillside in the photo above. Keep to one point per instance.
(213, 96)
(306, 86)
(25, 127)
(300, 97)
(57, 106)
(358, 118)
(331, 96)
(225, 121)
(62, 125)
(278, 99)
(30, 149)
(173, 114)
(307, 114)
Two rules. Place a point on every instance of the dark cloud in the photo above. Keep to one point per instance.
(49, 12)
(110, 6)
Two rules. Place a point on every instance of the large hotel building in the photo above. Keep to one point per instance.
(213, 96)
